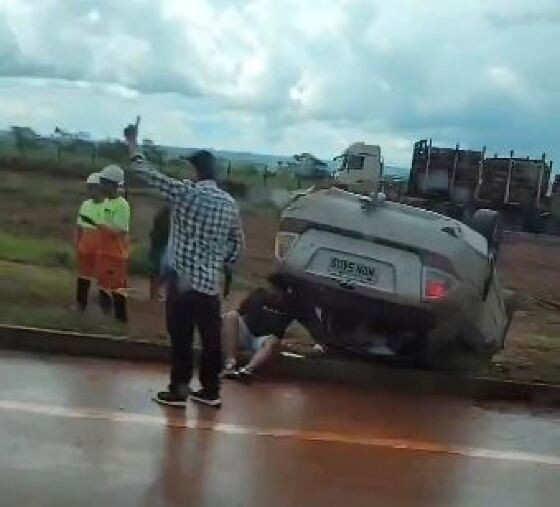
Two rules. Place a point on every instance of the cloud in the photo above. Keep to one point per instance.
(541, 13)
(288, 76)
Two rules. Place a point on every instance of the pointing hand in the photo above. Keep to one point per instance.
(131, 133)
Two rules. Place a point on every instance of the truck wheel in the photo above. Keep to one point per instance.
(488, 223)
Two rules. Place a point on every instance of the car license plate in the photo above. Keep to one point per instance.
(352, 270)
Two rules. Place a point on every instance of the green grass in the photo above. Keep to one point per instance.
(55, 317)
(42, 297)
(35, 251)
(46, 252)
(29, 283)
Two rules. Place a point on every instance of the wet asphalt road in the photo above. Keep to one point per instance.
(81, 432)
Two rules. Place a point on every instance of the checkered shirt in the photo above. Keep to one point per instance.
(206, 231)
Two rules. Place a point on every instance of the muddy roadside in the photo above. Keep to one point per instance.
(528, 265)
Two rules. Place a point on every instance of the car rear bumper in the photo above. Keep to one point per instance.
(387, 314)
(446, 319)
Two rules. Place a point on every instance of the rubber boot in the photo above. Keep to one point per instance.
(82, 292)
(105, 301)
(119, 302)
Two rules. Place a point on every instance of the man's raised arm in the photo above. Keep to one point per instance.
(173, 190)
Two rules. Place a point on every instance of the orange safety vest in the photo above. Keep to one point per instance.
(87, 246)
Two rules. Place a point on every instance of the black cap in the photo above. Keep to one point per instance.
(204, 163)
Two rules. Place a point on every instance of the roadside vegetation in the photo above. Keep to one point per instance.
(41, 188)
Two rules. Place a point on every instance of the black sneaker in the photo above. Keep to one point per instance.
(170, 399)
(230, 374)
(206, 398)
(244, 375)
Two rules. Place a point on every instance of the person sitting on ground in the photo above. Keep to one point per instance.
(259, 325)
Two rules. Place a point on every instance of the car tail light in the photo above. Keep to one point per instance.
(437, 284)
(284, 243)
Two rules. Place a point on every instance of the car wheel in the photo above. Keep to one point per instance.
(488, 223)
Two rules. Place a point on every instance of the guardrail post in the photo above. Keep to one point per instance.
(541, 175)
(480, 174)
(454, 172)
(428, 161)
(508, 182)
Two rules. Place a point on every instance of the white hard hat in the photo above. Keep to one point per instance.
(93, 179)
(112, 173)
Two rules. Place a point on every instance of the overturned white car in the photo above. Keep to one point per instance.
(390, 279)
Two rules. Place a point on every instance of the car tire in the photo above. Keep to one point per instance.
(488, 223)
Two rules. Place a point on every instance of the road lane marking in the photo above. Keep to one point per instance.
(303, 435)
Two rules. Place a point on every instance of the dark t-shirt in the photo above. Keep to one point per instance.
(265, 315)
(160, 229)
(159, 237)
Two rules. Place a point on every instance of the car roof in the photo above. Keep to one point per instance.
(398, 223)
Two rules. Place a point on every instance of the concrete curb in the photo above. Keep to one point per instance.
(415, 381)
(316, 368)
(78, 344)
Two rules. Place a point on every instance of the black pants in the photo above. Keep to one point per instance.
(184, 311)
(114, 302)
(82, 292)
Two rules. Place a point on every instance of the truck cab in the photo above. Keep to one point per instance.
(361, 168)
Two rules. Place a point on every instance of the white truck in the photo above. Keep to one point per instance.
(361, 168)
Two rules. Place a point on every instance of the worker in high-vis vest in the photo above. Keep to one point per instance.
(113, 253)
(86, 239)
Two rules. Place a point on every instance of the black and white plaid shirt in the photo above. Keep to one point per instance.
(206, 231)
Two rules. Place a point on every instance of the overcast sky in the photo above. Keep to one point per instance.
(285, 76)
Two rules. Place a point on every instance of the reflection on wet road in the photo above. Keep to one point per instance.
(83, 432)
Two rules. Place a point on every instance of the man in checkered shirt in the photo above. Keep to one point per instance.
(206, 236)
